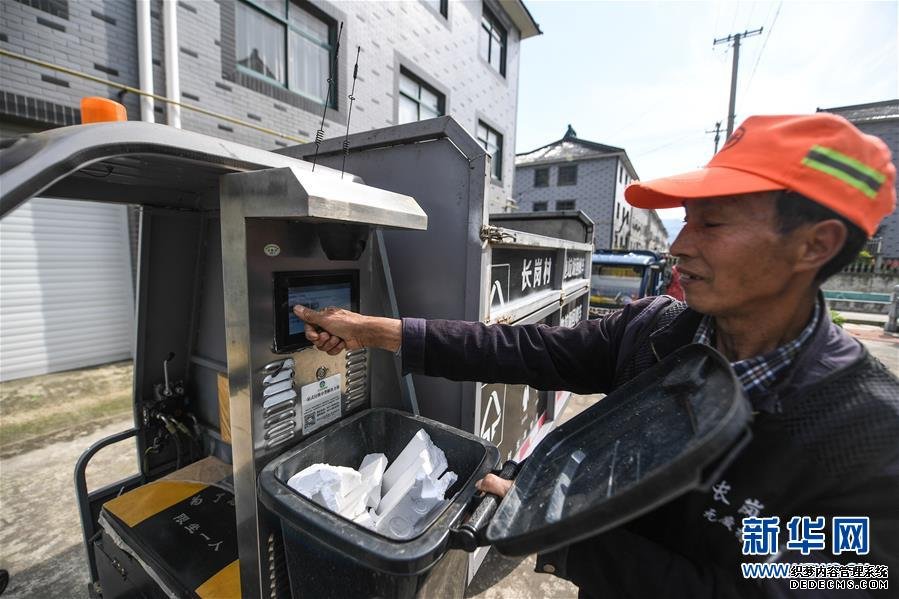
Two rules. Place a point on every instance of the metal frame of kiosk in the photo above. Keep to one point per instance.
(282, 230)
(224, 229)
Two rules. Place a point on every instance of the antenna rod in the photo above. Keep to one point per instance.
(346, 138)
(320, 134)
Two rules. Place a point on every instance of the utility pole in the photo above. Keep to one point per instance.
(717, 132)
(735, 38)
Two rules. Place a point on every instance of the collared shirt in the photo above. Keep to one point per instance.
(759, 374)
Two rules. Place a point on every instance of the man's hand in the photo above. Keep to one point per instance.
(333, 330)
(494, 485)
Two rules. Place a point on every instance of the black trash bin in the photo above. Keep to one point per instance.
(330, 556)
(671, 430)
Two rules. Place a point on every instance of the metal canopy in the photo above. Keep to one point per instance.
(296, 193)
(131, 163)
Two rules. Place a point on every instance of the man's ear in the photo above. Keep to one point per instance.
(820, 242)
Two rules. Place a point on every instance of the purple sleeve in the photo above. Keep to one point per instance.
(580, 358)
(413, 344)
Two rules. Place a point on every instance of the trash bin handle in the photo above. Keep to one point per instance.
(470, 535)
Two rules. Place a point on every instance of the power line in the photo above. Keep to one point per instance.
(666, 145)
(736, 12)
(717, 16)
(751, 12)
(764, 44)
(735, 38)
(651, 108)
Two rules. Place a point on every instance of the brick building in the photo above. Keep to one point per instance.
(260, 71)
(266, 62)
(574, 173)
(880, 119)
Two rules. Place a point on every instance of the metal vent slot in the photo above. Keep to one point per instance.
(274, 400)
(356, 385)
(277, 365)
(356, 368)
(355, 359)
(275, 388)
(280, 407)
(280, 399)
(290, 414)
(280, 428)
(282, 375)
(356, 393)
(279, 439)
(356, 378)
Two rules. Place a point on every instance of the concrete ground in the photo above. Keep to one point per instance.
(514, 578)
(40, 538)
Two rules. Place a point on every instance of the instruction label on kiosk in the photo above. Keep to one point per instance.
(320, 403)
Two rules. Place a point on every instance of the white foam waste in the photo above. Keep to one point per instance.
(390, 500)
(425, 494)
(419, 454)
(326, 484)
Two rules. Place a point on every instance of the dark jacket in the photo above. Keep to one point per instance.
(825, 443)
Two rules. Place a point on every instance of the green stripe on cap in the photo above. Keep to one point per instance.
(842, 176)
(851, 162)
(851, 171)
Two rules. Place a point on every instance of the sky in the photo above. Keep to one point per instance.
(646, 77)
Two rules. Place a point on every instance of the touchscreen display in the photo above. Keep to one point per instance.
(316, 297)
(313, 289)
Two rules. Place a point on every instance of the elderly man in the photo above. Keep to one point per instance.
(786, 203)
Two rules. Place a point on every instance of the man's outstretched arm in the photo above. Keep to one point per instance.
(580, 358)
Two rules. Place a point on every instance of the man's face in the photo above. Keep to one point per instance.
(732, 258)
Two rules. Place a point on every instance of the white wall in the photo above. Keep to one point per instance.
(66, 296)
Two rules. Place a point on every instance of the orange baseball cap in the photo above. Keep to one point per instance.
(821, 156)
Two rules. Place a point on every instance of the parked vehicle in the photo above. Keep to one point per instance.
(619, 277)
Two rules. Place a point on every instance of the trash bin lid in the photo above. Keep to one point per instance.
(651, 440)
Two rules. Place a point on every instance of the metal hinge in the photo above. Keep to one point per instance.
(492, 234)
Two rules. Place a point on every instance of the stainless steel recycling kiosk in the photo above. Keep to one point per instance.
(229, 236)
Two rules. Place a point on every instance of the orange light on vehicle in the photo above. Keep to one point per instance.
(101, 110)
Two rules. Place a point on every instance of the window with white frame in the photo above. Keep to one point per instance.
(565, 205)
(493, 41)
(492, 142)
(418, 100)
(287, 43)
(541, 177)
(541, 206)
